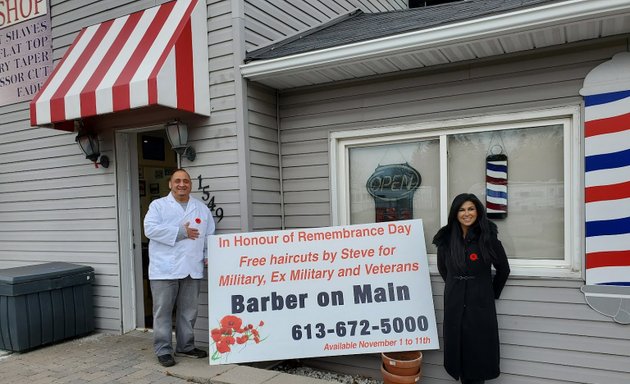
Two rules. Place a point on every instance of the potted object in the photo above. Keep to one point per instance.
(401, 367)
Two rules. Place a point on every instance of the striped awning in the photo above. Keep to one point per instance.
(158, 56)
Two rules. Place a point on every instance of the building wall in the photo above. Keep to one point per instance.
(268, 21)
(54, 205)
(264, 160)
(238, 148)
(264, 22)
(380, 5)
(216, 139)
(548, 333)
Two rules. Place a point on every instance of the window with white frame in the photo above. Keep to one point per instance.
(540, 232)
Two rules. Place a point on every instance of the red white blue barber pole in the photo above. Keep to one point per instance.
(606, 95)
(496, 186)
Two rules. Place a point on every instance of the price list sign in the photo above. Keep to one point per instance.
(25, 49)
(319, 292)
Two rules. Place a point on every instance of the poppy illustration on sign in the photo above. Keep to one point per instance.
(392, 186)
(230, 333)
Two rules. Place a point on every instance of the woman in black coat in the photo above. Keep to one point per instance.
(467, 247)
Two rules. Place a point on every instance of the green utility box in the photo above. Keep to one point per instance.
(44, 303)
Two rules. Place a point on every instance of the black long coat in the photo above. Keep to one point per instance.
(471, 335)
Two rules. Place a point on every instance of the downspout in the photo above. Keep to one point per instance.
(282, 215)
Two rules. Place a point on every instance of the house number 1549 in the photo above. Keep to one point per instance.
(217, 211)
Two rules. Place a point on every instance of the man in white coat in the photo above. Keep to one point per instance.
(177, 226)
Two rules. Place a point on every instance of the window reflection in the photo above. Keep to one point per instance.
(534, 226)
(423, 156)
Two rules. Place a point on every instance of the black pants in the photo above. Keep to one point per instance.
(469, 381)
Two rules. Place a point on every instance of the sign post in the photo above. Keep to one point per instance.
(319, 292)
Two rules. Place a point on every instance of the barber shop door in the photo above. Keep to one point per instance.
(145, 162)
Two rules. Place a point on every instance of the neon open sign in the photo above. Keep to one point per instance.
(393, 182)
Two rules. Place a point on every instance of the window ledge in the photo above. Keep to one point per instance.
(533, 272)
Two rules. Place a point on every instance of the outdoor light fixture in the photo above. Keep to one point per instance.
(90, 146)
(177, 133)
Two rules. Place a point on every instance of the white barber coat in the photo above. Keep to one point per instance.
(170, 259)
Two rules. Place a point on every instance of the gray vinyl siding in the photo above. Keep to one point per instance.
(265, 168)
(70, 16)
(268, 21)
(548, 333)
(217, 142)
(380, 5)
(54, 206)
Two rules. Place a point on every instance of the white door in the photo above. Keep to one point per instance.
(131, 291)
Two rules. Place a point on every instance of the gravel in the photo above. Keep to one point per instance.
(325, 375)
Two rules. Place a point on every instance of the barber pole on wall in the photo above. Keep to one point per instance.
(606, 95)
(496, 186)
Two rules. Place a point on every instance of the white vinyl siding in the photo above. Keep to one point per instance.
(548, 333)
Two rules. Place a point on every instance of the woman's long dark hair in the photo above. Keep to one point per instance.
(452, 237)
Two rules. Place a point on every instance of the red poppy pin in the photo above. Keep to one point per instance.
(473, 257)
(198, 220)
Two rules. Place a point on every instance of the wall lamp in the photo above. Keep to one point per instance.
(177, 133)
(90, 146)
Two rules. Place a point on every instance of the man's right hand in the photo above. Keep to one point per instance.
(191, 233)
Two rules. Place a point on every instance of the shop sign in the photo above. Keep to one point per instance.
(392, 186)
(393, 182)
(25, 49)
(319, 292)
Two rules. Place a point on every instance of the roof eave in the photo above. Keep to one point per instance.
(539, 17)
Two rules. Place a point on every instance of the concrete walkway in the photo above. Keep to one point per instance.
(105, 358)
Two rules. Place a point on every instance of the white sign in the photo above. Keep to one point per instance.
(319, 292)
(25, 49)
(17, 11)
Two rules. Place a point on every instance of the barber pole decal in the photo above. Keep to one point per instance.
(607, 192)
(496, 186)
(607, 187)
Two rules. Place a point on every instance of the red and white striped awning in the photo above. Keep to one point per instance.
(158, 56)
